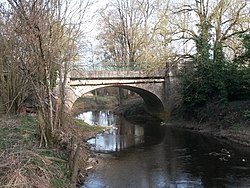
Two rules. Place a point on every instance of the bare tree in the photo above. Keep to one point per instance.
(40, 41)
(129, 32)
(220, 22)
(42, 38)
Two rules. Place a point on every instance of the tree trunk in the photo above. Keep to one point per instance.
(75, 166)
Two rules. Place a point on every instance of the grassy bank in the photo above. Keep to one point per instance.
(88, 130)
(23, 163)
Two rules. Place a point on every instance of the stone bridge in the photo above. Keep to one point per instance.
(151, 88)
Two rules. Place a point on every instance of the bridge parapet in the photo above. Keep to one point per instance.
(113, 74)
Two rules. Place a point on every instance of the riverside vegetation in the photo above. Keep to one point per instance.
(25, 163)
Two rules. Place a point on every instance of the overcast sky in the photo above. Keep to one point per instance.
(91, 29)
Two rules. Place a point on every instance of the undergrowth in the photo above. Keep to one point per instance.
(23, 164)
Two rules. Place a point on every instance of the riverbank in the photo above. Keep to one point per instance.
(231, 122)
(25, 163)
(233, 134)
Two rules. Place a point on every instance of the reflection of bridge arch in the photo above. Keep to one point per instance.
(151, 89)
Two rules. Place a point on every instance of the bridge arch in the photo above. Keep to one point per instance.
(152, 101)
(150, 87)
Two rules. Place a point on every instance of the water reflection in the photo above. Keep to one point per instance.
(101, 118)
(178, 159)
(120, 134)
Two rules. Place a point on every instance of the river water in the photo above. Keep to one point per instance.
(149, 155)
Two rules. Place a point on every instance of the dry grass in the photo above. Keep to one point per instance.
(22, 163)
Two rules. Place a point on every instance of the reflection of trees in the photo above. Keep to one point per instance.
(102, 118)
(123, 135)
(110, 118)
(93, 117)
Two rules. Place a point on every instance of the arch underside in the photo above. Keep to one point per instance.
(152, 102)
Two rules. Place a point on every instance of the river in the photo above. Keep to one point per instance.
(150, 155)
